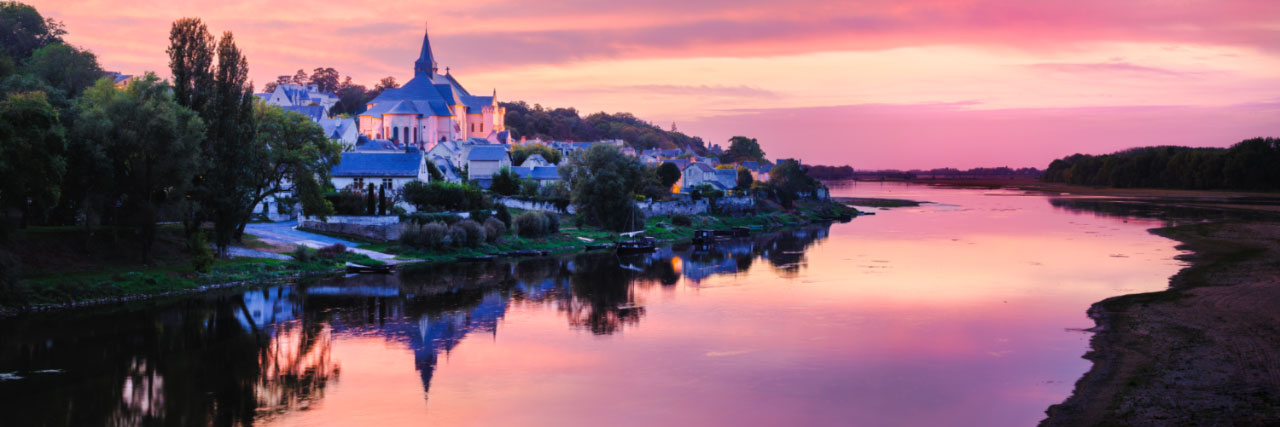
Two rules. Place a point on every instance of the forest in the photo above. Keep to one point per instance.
(565, 124)
(1253, 164)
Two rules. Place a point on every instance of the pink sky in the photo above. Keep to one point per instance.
(874, 84)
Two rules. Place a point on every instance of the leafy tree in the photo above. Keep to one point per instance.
(147, 144)
(351, 97)
(505, 182)
(520, 153)
(436, 196)
(325, 79)
(1247, 165)
(790, 181)
(503, 215)
(32, 153)
(371, 201)
(384, 84)
(382, 200)
(191, 54)
(669, 174)
(604, 183)
(526, 121)
(23, 30)
(742, 149)
(300, 78)
(64, 67)
(7, 67)
(296, 151)
(434, 172)
(745, 179)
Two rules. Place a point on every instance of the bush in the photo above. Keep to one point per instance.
(301, 254)
(494, 228)
(433, 235)
(331, 251)
(531, 224)
(481, 215)
(528, 188)
(681, 220)
(505, 182)
(423, 218)
(201, 254)
(504, 215)
(347, 202)
(553, 223)
(473, 234)
(443, 196)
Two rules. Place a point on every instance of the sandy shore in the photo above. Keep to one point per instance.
(1204, 352)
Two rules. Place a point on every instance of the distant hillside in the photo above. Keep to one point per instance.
(1248, 165)
(564, 124)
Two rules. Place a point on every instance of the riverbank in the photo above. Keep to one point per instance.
(1207, 350)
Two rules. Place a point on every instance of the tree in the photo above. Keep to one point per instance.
(296, 152)
(351, 97)
(604, 183)
(300, 78)
(191, 50)
(745, 179)
(382, 200)
(520, 153)
(23, 30)
(147, 144)
(434, 172)
(64, 67)
(32, 153)
(505, 182)
(742, 149)
(790, 180)
(668, 174)
(384, 84)
(325, 79)
(371, 202)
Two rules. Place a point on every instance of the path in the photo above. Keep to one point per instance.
(287, 233)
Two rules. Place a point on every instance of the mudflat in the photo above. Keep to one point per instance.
(1207, 350)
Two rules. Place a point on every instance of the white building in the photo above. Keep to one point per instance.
(292, 96)
(342, 131)
(389, 170)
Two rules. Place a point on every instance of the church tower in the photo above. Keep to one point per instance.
(426, 63)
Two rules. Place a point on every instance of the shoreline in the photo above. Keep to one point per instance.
(1205, 351)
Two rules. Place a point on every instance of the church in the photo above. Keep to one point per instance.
(431, 108)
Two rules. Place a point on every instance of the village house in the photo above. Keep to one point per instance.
(535, 161)
(292, 96)
(384, 170)
(342, 131)
(485, 160)
(543, 175)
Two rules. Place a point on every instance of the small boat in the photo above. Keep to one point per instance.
(476, 258)
(360, 268)
(637, 246)
(703, 237)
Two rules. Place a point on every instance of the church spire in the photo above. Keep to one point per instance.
(426, 64)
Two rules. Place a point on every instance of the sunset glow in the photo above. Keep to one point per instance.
(948, 79)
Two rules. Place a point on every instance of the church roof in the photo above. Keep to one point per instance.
(378, 164)
(475, 104)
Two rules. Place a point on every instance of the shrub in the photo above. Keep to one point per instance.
(423, 218)
(332, 251)
(528, 188)
(473, 234)
(480, 215)
(201, 254)
(505, 182)
(433, 235)
(553, 223)
(681, 220)
(443, 196)
(504, 215)
(301, 254)
(493, 228)
(531, 224)
(347, 202)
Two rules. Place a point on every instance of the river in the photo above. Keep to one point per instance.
(966, 311)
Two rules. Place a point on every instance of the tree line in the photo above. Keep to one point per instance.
(565, 124)
(1252, 164)
(75, 149)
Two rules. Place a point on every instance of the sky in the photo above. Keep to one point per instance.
(873, 84)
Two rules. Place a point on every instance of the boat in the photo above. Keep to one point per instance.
(476, 258)
(703, 237)
(642, 245)
(755, 227)
(360, 268)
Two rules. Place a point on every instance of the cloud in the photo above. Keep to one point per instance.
(1124, 68)
(740, 91)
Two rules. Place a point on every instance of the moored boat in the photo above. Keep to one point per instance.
(360, 268)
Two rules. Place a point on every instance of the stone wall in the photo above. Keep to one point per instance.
(530, 206)
(686, 207)
(373, 227)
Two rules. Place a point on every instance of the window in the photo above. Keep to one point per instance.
(357, 183)
(471, 127)
(395, 134)
(386, 183)
(482, 127)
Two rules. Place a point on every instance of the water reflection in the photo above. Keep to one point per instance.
(246, 357)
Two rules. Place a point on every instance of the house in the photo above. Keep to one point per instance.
(485, 160)
(295, 95)
(313, 112)
(447, 167)
(728, 178)
(545, 174)
(389, 170)
(377, 146)
(120, 80)
(751, 165)
(696, 174)
(534, 161)
(342, 131)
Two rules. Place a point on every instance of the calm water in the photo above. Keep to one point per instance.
(963, 312)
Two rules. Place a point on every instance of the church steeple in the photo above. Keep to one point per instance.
(426, 63)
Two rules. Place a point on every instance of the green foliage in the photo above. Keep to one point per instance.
(7, 67)
(437, 196)
(504, 215)
(668, 174)
(23, 30)
(533, 224)
(564, 124)
(705, 191)
(135, 150)
(1247, 165)
(32, 153)
(520, 153)
(604, 183)
(293, 149)
(681, 220)
(529, 188)
(332, 251)
(434, 235)
(302, 254)
(382, 200)
(745, 179)
(64, 67)
(493, 229)
(434, 171)
(505, 182)
(423, 218)
(742, 149)
(472, 234)
(201, 255)
(479, 215)
(347, 202)
(790, 180)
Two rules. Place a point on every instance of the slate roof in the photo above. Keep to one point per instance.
(487, 153)
(766, 168)
(534, 158)
(476, 104)
(751, 165)
(700, 166)
(524, 172)
(314, 112)
(378, 164)
(546, 173)
(377, 145)
(334, 128)
(680, 163)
